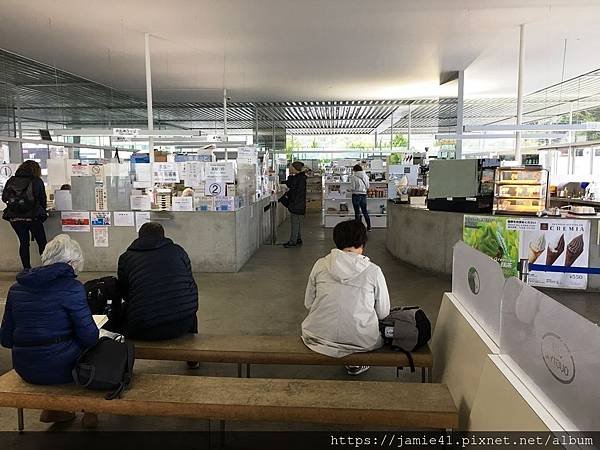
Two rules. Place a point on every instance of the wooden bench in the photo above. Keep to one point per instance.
(254, 349)
(365, 403)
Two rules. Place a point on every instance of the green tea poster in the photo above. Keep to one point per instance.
(490, 235)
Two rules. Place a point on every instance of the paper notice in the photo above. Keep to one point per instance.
(123, 219)
(75, 221)
(141, 217)
(182, 204)
(143, 172)
(166, 172)
(63, 201)
(140, 202)
(100, 236)
(97, 170)
(101, 204)
(80, 170)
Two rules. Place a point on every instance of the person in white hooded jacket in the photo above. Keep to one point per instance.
(346, 297)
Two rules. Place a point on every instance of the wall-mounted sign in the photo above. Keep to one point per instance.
(126, 131)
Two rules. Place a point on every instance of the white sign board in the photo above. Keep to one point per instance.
(125, 131)
(182, 204)
(222, 171)
(166, 172)
(215, 188)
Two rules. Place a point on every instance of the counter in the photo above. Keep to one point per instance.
(425, 239)
(215, 241)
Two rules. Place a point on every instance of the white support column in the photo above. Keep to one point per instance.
(460, 105)
(149, 99)
(225, 122)
(409, 125)
(518, 156)
(392, 132)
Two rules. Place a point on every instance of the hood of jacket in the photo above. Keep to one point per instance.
(345, 266)
(40, 276)
(149, 243)
(362, 175)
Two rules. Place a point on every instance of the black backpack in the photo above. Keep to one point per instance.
(406, 329)
(18, 196)
(100, 290)
(106, 366)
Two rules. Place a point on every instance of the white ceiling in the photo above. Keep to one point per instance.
(274, 50)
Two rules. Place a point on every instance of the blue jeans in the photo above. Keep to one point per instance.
(359, 203)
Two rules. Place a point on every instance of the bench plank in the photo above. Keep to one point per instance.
(254, 349)
(368, 403)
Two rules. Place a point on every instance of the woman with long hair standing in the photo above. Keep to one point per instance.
(25, 198)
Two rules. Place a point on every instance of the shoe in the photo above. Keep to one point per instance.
(51, 416)
(289, 245)
(193, 364)
(299, 242)
(369, 229)
(356, 370)
(89, 420)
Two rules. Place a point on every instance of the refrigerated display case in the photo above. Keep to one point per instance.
(520, 190)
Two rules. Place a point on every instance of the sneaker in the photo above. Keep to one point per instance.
(299, 242)
(369, 229)
(356, 370)
(289, 245)
(51, 416)
(193, 364)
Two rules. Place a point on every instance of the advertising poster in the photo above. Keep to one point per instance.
(555, 243)
(75, 221)
(100, 218)
(100, 236)
(491, 236)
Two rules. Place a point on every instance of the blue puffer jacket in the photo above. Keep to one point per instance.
(44, 304)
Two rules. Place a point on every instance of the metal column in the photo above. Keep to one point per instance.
(518, 156)
(409, 126)
(149, 102)
(225, 121)
(460, 103)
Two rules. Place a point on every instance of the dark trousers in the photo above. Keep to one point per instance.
(25, 229)
(359, 203)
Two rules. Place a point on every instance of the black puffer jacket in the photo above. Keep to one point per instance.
(156, 281)
(39, 193)
(297, 193)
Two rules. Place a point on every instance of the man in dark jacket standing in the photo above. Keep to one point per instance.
(296, 195)
(157, 284)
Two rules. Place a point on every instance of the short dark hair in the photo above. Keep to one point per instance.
(350, 233)
(357, 168)
(151, 229)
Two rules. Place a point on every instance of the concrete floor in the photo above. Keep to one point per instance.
(266, 297)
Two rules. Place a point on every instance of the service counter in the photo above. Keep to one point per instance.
(215, 241)
(425, 239)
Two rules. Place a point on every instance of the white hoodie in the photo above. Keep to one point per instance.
(359, 182)
(346, 296)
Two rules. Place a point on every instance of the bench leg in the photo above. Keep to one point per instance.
(247, 370)
(430, 374)
(423, 370)
(239, 366)
(20, 420)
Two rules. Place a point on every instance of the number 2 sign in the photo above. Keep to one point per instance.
(216, 189)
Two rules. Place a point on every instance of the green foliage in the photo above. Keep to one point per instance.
(395, 158)
(399, 140)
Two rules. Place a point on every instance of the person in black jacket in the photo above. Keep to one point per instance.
(25, 198)
(296, 195)
(156, 281)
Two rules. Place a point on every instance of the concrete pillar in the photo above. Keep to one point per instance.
(518, 156)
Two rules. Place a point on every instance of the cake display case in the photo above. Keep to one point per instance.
(520, 190)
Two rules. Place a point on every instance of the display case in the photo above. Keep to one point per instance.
(520, 190)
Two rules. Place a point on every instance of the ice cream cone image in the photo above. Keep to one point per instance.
(555, 249)
(574, 249)
(536, 248)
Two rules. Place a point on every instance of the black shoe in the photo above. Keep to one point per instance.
(289, 245)
(299, 242)
(369, 229)
(193, 364)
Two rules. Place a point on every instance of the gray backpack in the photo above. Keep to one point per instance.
(406, 329)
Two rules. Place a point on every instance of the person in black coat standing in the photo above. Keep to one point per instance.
(296, 204)
(156, 282)
(25, 198)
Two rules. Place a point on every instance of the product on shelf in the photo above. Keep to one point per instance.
(520, 190)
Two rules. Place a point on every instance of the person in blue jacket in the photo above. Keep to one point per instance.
(47, 322)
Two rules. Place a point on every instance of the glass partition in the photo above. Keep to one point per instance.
(477, 282)
(557, 348)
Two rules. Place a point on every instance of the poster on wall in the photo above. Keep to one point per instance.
(222, 171)
(100, 218)
(141, 217)
(100, 236)
(76, 221)
(491, 236)
(123, 219)
(100, 195)
(166, 172)
(554, 243)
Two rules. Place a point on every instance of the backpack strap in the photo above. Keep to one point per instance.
(411, 362)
